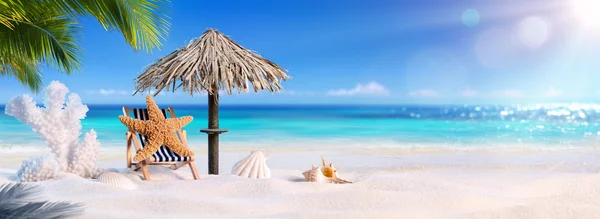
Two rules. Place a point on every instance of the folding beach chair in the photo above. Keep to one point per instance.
(164, 155)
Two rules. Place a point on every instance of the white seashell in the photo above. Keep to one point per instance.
(324, 174)
(117, 180)
(314, 175)
(254, 166)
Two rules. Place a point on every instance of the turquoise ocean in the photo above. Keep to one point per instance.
(454, 126)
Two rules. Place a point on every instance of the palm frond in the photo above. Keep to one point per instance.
(36, 32)
(48, 38)
(17, 200)
(143, 23)
(26, 71)
(11, 10)
(18, 192)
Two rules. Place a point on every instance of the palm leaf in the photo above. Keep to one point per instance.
(143, 23)
(25, 70)
(48, 38)
(35, 32)
(17, 192)
(11, 10)
(17, 200)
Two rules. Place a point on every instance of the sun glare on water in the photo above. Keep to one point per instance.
(588, 11)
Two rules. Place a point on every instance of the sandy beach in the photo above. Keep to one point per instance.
(431, 109)
(404, 183)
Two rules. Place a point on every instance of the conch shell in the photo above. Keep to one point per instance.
(254, 166)
(314, 175)
(325, 173)
(331, 172)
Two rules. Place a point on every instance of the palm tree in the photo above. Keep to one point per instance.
(38, 32)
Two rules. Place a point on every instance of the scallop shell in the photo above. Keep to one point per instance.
(116, 180)
(254, 166)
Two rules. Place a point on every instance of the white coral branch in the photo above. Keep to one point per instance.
(83, 161)
(59, 125)
(38, 169)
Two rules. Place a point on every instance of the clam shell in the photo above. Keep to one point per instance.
(254, 166)
(116, 180)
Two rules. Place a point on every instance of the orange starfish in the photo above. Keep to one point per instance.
(159, 130)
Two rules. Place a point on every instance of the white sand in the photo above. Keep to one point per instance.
(388, 184)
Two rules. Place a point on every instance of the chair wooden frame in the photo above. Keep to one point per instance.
(133, 140)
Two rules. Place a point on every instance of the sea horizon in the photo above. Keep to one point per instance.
(282, 126)
(317, 104)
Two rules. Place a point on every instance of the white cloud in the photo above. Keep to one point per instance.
(290, 92)
(297, 93)
(111, 91)
(164, 92)
(423, 93)
(469, 93)
(554, 93)
(371, 88)
(106, 92)
(151, 92)
(508, 93)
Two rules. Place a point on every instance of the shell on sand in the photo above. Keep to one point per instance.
(314, 175)
(254, 166)
(325, 173)
(331, 172)
(117, 180)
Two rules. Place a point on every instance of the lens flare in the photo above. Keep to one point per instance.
(470, 17)
(533, 31)
(588, 12)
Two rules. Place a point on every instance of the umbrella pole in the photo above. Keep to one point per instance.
(213, 132)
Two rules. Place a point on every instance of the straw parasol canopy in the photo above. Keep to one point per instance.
(209, 64)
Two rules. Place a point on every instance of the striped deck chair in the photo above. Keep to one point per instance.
(164, 155)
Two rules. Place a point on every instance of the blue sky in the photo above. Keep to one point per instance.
(391, 52)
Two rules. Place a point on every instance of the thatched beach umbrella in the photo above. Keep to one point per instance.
(209, 64)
